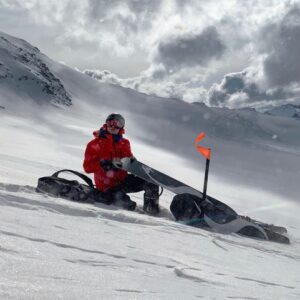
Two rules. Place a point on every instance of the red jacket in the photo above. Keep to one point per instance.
(107, 147)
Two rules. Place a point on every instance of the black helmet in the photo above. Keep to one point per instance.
(116, 117)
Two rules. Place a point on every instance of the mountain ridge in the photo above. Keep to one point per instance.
(23, 68)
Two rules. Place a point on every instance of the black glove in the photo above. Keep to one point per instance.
(107, 164)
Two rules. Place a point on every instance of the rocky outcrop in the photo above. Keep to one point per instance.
(22, 66)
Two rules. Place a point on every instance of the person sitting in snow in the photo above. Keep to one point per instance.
(101, 154)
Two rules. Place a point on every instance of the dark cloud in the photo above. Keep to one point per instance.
(140, 7)
(182, 5)
(99, 9)
(240, 89)
(278, 45)
(191, 49)
(281, 43)
(218, 95)
(130, 16)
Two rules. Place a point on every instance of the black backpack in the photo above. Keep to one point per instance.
(70, 189)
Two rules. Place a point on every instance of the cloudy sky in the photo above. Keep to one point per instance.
(222, 52)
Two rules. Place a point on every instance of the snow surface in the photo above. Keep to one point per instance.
(52, 248)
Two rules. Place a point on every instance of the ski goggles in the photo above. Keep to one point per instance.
(114, 124)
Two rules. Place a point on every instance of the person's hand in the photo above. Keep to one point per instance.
(117, 163)
(106, 164)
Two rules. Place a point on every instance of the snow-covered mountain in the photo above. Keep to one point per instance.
(24, 70)
(51, 248)
(288, 110)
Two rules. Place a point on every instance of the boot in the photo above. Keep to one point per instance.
(151, 205)
(123, 200)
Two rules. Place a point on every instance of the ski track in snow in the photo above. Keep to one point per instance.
(21, 248)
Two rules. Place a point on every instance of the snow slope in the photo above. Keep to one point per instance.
(51, 248)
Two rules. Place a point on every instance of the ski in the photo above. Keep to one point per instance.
(271, 227)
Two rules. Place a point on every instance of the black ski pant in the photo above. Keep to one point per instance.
(133, 184)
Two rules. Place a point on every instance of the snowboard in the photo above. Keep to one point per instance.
(215, 214)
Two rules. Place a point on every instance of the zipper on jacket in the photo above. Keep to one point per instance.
(115, 148)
